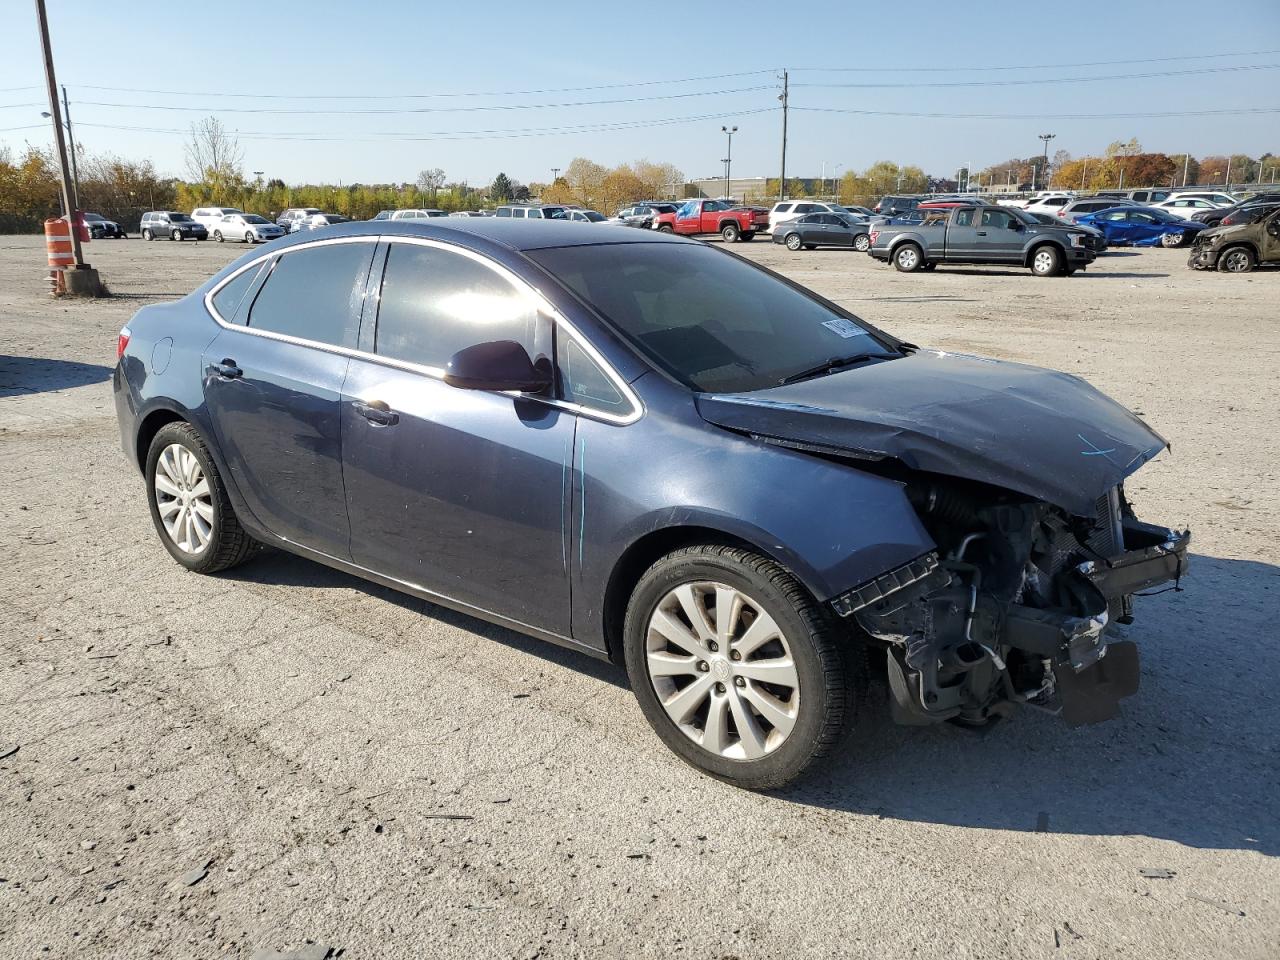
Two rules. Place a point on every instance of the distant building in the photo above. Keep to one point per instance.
(753, 189)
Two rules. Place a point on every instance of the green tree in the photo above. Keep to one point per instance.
(500, 189)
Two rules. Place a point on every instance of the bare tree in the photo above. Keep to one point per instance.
(214, 159)
(429, 181)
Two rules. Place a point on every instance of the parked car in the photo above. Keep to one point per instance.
(171, 224)
(1187, 207)
(587, 216)
(1074, 209)
(1248, 212)
(1211, 218)
(824, 230)
(210, 217)
(892, 206)
(982, 233)
(860, 211)
(1099, 240)
(650, 450)
(1217, 196)
(316, 221)
(1048, 202)
(786, 210)
(295, 213)
(382, 215)
(469, 213)
(644, 215)
(732, 221)
(1240, 247)
(100, 227)
(539, 211)
(248, 227)
(417, 214)
(1142, 227)
(1142, 195)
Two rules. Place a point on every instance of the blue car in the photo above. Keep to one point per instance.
(648, 449)
(1142, 227)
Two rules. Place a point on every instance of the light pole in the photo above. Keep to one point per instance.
(728, 158)
(1124, 152)
(835, 181)
(555, 175)
(1046, 137)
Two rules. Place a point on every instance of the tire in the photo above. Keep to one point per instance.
(1046, 261)
(908, 258)
(811, 246)
(814, 696)
(225, 542)
(666, 228)
(248, 237)
(729, 232)
(176, 235)
(793, 241)
(1236, 260)
(146, 235)
(217, 235)
(1172, 239)
(862, 243)
(929, 265)
(748, 236)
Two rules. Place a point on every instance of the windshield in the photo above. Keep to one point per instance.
(593, 216)
(93, 216)
(709, 319)
(1023, 215)
(179, 218)
(254, 218)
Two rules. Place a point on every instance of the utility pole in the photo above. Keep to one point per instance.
(1044, 164)
(782, 175)
(1226, 178)
(1186, 166)
(87, 282)
(75, 174)
(728, 159)
(555, 174)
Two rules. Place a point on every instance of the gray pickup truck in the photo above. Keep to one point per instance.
(981, 233)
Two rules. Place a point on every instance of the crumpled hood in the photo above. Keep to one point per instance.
(1045, 434)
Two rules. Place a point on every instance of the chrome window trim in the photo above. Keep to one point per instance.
(522, 287)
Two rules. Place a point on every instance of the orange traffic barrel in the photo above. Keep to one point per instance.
(57, 238)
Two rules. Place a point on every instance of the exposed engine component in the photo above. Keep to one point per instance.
(1014, 608)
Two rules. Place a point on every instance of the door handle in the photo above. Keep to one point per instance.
(982, 233)
(376, 412)
(227, 369)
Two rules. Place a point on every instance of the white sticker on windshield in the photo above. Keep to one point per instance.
(845, 328)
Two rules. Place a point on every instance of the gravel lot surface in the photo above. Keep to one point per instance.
(284, 756)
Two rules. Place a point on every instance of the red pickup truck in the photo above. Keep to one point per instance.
(733, 223)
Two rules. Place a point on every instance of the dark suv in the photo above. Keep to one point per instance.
(171, 224)
(893, 206)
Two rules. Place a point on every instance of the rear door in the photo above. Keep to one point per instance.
(464, 493)
(962, 234)
(273, 386)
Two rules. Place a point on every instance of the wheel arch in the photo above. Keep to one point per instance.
(1043, 242)
(1232, 244)
(151, 424)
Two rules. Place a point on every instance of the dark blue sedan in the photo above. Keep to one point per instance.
(649, 449)
(1142, 227)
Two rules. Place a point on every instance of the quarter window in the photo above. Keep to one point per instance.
(436, 302)
(226, 302)
(584, 383)
(314, 294)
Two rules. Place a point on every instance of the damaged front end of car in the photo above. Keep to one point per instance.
(1015, 605)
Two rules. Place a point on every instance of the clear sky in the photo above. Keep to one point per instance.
(375, 92)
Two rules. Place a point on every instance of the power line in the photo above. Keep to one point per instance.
(422, 96)
(387, 110)
(1049, 80)
(34, 126)
(1031, 66)
(15, 106)
(1044, 116)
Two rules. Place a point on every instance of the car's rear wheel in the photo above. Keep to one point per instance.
(736, 666)
(1046, 261)
(1236, 260)
(217, 235)
(793, 241)
(729, 233)
(146, 234)
(1173, 239)
(908, 258)
(862, 243)
(189, 504)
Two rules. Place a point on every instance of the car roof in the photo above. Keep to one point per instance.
(480, 232)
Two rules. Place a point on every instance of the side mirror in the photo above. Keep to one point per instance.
(1273, 227)
(498, 365)
(1016, 226)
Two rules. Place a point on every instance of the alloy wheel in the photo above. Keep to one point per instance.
(1172, 239)
(908, 258)
(722, 670)
(1236, 261)
(184, 499)
(1044, 262)
(793, 242)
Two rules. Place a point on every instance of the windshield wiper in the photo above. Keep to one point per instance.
(835, 363)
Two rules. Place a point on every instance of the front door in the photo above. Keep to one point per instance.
(1269, 242)
(1000, 235)
(463, 493)
(273, 387)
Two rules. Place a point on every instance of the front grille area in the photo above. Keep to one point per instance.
(1107, 538)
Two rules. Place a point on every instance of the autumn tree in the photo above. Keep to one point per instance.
(585, 179)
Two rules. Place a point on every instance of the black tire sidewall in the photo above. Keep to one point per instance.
(729, 233)
(1057, 261)
(186, 435)
(801, 747)
(898, 253)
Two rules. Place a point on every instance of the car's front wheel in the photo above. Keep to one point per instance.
(249, 237)
(176, 235)
(1173, 239)
(189, 504)
(1236, 260)
(1046, 261)
(735, 665)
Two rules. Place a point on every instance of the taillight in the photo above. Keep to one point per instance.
(122, 341)
(872, 234)
(1226, 221)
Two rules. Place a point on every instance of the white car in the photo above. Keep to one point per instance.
(791, 209)
(210, 217)
(315, 221)
(1048, 203)
(1216, 197)
(417, 214)
(248, 227)
(1186, 207)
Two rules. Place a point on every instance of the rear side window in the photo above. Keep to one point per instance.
(782, 208)
(315, 293)
(503, 212)
(435, 302)
(805, 208)
(226, 302)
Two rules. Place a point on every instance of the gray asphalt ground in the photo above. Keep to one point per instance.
(283, 756)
